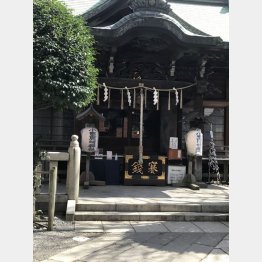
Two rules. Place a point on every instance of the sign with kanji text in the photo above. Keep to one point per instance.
(173, 142)
(176, 174)
(149, 167)
(194, 142)
(151, 171)
(89, 141)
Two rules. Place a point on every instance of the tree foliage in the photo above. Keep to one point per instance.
(63, 59)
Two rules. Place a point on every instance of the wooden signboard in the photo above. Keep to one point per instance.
(174, 154)
(151, 172)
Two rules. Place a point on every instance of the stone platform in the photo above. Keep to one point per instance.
(150, 203)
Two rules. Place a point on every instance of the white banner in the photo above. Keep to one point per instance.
(173, 142)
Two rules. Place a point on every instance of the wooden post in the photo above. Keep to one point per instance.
(86, 182)
(129, 126)
(190, 168)
(179, 126)
(191, 177)
(52, 197)
(198, 168)
(141, 127)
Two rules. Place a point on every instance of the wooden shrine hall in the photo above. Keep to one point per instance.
(155, 64)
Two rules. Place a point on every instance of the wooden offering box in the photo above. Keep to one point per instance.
(151, 172)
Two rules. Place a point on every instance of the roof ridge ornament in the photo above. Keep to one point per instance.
(148, 5)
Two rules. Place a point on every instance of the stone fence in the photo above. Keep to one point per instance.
(72, 157)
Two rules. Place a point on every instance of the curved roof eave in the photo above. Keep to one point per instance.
(90, 109)
(99, 7)
(156, 20)
(102, 5)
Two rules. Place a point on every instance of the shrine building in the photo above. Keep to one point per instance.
(165, 63)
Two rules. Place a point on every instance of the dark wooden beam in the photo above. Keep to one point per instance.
(212, 103)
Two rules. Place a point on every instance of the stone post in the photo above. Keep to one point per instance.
(38, 170)
(86, 182)
(73, 169)
(191, 177)
(52, 196)
(198, 168)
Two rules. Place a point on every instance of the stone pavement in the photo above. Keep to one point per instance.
(153, 194)
(214, 194)
(137, 241)
(148, 241)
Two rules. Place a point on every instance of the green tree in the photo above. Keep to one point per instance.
(63, 58)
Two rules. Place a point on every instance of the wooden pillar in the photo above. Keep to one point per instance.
(129, 127)
(179, 126)
(198, 168)
(141, 126)
(87, 177)
(198, 123)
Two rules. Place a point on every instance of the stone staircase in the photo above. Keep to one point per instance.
(165, 211)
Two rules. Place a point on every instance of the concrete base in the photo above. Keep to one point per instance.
(70, 210)
(144, 182)
(202, 184)
(42, 202)
(138, 206)
(86, 184)
(97, 183)
(149, 216)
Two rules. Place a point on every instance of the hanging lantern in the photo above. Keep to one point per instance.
(89, 139)
(194, 142)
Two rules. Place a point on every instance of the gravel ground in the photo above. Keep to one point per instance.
(48, 243)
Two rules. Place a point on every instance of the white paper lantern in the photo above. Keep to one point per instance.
(194, 142)
(89, 141)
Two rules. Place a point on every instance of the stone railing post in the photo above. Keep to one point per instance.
(73, 169)
(52, 197)
(37, 181)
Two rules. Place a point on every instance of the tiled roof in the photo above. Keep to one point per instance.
(212, 20)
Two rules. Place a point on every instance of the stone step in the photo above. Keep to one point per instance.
(153, 207)
(149, 216)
